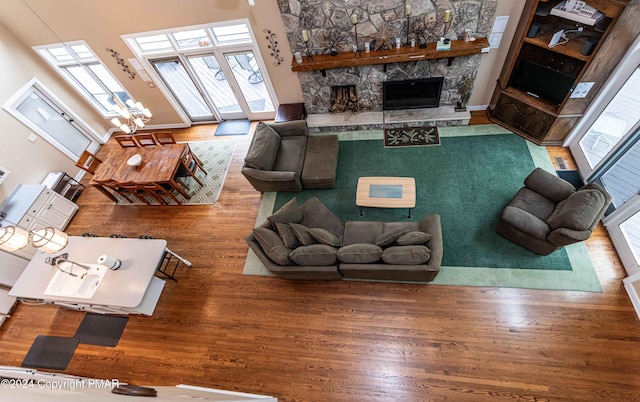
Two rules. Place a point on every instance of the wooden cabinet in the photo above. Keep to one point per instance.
(533, 95)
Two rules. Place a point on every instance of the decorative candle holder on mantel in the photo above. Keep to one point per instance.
(445, 43)
(407, 13)
(305, 40)
(356, 48)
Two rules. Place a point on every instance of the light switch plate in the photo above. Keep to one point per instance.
(3, 174)
(32, 137)
(581, 90)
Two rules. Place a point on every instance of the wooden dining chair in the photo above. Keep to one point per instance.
(115, 187)
(198, 161)
(140, 192)
(164, 137)
(145, 140)
(188, 167)
(162, 191)
(126, 141)
(88, 162)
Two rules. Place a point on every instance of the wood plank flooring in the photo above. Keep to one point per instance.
(342, 340)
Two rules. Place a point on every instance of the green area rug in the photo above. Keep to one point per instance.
(216, 157)
(467, 180)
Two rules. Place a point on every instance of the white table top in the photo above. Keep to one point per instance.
(124, 287)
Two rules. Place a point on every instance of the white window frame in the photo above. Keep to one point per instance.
(11, 106)
(218, 49)
(59, 67)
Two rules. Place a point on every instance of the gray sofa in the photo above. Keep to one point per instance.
(283, 157)
(548, 213)
(310, 242)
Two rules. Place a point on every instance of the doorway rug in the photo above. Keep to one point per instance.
(411, 137)
(468, 181)
(233, 127)
(216, 157)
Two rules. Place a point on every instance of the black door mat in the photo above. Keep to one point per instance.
(572, 176)
(233, 127)
(50, 352)
(101, 330)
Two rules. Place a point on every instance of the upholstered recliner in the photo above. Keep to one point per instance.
(548, 213)
(283, 157)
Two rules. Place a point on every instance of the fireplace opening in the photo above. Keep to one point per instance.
(412, 94)
(343, 98)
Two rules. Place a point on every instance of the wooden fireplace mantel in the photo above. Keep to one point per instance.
(402, 55)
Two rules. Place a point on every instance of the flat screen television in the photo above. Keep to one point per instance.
(542, 81)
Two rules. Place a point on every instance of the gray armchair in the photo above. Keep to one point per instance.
(548, 213)
(283, 157)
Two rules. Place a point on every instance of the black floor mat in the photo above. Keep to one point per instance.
(572, 176)
(101, 330)
(233, 127)
(50, 352)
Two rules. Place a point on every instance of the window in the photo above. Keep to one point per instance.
(202, 37)
(38, 108)
(79, 65)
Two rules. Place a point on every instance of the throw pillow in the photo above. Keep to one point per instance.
(389, 236)
(288, 213)
(578, 211)
(264, 148)
(302, 233)
(325, 237)
(315, 254)
(413, 238)
(272, 245)
(360, 253)
(406, 255)
(286, 234)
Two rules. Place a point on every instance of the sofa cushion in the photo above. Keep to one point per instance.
(406, 255)
(316, 215)
(291, 154)
(361, 232)
(388, 236)
(360, 253)
(413, 238)
(264, 148)
(302, 233)
(272, 245)
(288, 213)
(325, 237)
(578, 211)
(286, 234)
(315, 254)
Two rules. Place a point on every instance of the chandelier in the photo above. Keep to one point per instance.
(134, 113)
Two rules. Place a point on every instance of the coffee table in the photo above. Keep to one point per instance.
(386, 192)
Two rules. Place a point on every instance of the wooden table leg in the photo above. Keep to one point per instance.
(106, 192)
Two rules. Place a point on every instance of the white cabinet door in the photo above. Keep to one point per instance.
(57, 211)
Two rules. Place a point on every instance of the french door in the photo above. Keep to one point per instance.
(606, 147)
(217, 86)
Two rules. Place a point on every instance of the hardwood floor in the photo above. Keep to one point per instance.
(343, 340)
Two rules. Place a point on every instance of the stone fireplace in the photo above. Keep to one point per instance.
(380, 22)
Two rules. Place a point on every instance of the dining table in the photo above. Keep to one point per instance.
(159, 165)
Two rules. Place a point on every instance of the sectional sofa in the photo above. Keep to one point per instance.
(308, 241)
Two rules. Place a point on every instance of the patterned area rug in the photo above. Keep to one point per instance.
(411, 137)
(216, 157)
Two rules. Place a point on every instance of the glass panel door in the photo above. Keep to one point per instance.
(217, 86)
(618, 118)
(251, 84)
(181, 85)
(622, 178)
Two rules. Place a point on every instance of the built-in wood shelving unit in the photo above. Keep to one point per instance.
(402, 55)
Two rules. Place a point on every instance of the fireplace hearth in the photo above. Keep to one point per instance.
(412, 94)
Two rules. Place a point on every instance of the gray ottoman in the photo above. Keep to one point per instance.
(321, 162)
